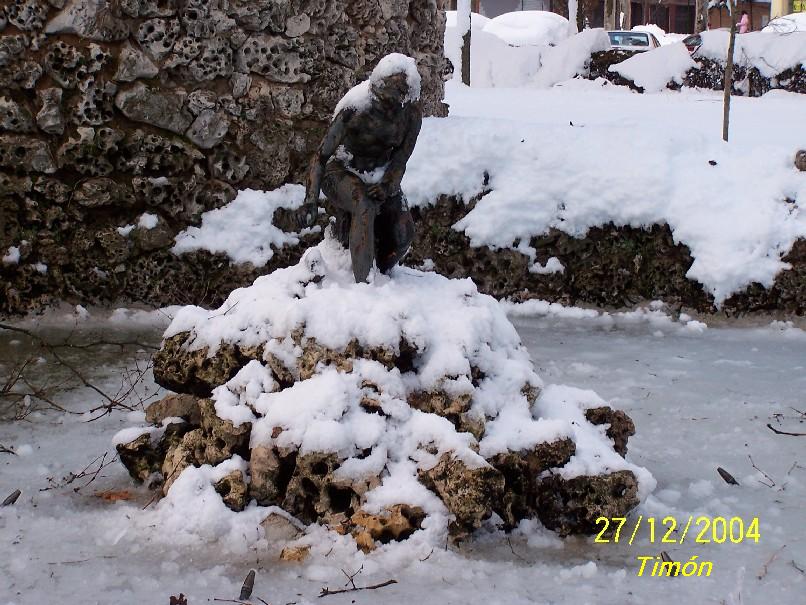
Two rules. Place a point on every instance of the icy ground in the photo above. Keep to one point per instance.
(700, 399)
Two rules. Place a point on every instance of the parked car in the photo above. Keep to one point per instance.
(633, 41)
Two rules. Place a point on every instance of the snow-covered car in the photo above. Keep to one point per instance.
(796, 22)
(693, 42)
(529, 28)
(632, 41)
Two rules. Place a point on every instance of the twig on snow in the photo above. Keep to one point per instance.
(777, 432)
(770, 479)
(85, 472)
(765, 567)
(326, 591)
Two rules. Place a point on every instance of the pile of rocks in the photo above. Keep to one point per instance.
(372, 408)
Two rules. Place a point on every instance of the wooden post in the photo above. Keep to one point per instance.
(463, 19)
(729, 72)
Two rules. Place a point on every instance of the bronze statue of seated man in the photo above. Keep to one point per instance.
(361, 161)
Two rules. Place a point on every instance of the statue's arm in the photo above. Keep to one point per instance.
(397, 163)
(327, 148)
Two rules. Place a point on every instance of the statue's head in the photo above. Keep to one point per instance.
(395, 80)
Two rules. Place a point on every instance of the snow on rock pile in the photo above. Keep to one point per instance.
(653, 70)
(570, 57)
(379, 409)
(769, 53)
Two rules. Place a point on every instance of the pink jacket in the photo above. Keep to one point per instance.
(744, 24)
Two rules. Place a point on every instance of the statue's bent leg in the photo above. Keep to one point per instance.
(349, 193)
(395, 231)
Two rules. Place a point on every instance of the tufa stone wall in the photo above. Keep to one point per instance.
(114, 108)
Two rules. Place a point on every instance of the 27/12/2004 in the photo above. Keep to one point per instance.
(704, 530)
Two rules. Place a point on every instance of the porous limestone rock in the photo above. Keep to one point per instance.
(14, 117)
(570, 506)
(49, 118)
(134, 64)
(232, 489)
(469, 493)
(175, 406)
(157, 108)
(91, 19)
(21, 151)
(620, 426)
(208, 129)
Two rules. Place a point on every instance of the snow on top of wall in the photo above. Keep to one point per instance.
(243, 229)
(770, 53)
(796, 22)
(568, 58)
(571, 178)
(654, 69)
(529, 28)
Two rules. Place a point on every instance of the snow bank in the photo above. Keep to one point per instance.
(506, 53)
(569, 57)
(529, 28)
(243, 229)
(654, 69)
(796, 22)
(770, 53)
(493, 62)
(553, 175)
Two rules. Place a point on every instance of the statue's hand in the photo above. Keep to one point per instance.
(308, 214)
(377, 192)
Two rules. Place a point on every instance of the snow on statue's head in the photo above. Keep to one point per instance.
(395, 79)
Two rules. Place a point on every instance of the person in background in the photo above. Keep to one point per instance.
(744, 23)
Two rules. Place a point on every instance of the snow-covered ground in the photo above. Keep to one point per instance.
(700, 399)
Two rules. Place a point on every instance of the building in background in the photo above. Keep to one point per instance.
(673, 16)
(787, 7)
(759, 12)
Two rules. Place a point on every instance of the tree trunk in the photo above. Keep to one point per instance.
(701, 17)
(573, 17)
(463, 19)
(627, 6)
(610, 7)
(728, 75)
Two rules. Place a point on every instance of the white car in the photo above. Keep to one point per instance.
(633, 41)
